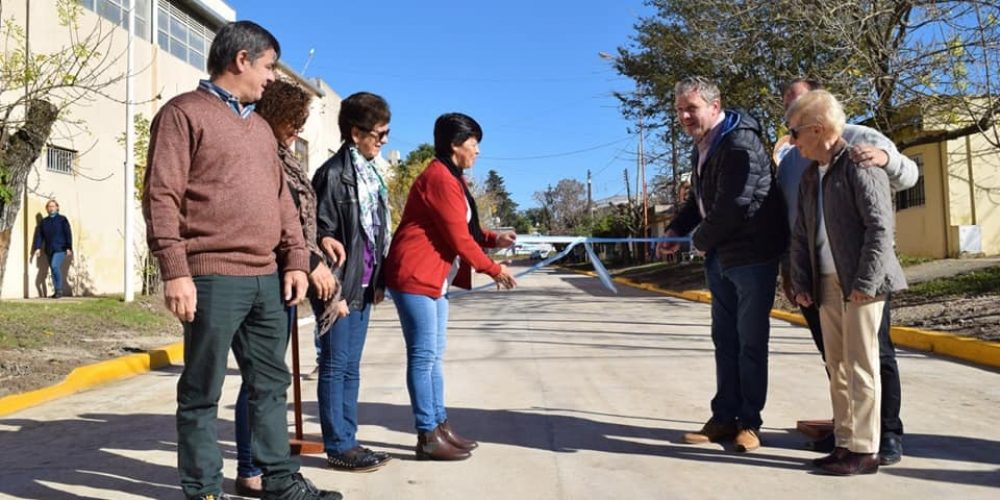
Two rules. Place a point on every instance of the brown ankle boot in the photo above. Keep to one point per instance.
(453, 438)
(434, 446)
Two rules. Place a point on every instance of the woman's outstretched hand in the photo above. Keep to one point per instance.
(505, 280)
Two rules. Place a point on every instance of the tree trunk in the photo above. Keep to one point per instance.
(18, 154)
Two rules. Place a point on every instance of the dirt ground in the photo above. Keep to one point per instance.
(25, 369)
(975, 316)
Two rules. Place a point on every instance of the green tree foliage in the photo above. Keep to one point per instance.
(537, 218)
(504, 208)
(403, 175)
(140, 150)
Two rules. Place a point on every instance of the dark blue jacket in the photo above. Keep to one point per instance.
(54, 232)
(745, 221)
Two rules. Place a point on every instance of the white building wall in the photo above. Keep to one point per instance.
(93, 196)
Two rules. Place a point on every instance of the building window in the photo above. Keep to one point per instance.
(116, 11)
(301, 151)
(60, 160)
(182, 35)
(913, 197)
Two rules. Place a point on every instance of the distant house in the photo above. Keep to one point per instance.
(954, 208)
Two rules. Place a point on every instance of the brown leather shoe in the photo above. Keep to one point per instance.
(853, 464)
(837, 455)
(434, 446)
(249, 486)
(453, 438)
(711, 432)
(747, 440)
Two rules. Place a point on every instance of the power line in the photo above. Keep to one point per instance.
(554, 155)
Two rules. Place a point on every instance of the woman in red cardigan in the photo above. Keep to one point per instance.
(438, 242)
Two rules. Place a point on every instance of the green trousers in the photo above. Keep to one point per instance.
(247, 314)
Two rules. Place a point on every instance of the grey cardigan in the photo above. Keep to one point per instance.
(857, 208)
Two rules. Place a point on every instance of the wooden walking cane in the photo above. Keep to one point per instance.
(299, 445)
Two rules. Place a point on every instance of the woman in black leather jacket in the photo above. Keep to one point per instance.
(352, 223)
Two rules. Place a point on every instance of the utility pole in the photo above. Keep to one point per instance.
(642, 175)
(590, 204)
(27, 60)
(628, 192)
(631, 210)
(129, 204)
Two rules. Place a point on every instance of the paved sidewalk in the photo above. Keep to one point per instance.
(573, 392)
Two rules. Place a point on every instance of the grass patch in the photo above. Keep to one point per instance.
(912, 260)
(43, 323)
(974, 283)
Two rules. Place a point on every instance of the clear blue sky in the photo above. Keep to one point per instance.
(528, 71)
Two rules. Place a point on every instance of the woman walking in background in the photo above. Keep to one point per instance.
(54, 234)
(439, 242)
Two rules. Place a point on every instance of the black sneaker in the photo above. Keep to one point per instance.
(381, 455)
(357, 459)
(301, 488)
(890, 450)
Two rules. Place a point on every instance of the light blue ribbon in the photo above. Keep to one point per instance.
(573, 241)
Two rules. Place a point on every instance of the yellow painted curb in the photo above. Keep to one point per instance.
(86, 377)
(975, 351)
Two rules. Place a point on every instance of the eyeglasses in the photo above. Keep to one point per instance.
(794, 131)
(381, 136)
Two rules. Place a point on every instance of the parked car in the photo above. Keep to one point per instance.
(539, 255)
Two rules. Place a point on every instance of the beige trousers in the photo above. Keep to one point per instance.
(850, 337)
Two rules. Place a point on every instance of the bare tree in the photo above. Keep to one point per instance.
(566, 206)
(36, 90)
(893, 62)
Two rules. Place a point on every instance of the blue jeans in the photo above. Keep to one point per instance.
(742, 297)
(244, 451)
(245, 467)
(339, 380)
(425, 326)
(55, 265)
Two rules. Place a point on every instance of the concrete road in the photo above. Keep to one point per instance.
(574, 393)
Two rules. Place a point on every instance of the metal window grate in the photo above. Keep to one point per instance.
(913, 197)
(60, 160)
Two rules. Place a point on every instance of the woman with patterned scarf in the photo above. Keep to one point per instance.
(353, 222)
(285, 106)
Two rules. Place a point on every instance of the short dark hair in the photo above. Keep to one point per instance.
(363, 110)
(284, 103)
(812, 83)
(453, 129)
(237, 36)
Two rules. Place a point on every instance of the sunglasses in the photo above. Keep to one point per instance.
(794, 131)
(381, 136)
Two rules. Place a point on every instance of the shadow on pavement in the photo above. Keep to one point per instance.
(560, 433)
(101, 451)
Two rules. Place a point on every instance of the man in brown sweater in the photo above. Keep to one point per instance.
(221, 223)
